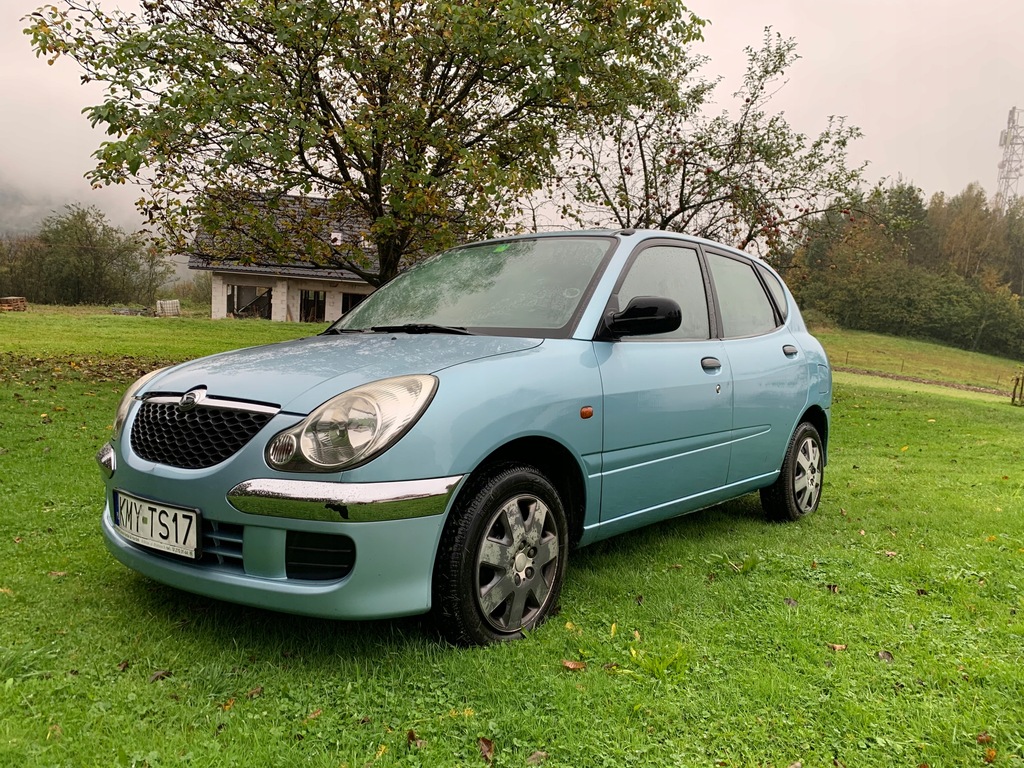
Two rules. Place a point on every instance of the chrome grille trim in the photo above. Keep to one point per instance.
(216, 402)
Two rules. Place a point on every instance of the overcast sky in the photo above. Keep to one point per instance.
(929, 82)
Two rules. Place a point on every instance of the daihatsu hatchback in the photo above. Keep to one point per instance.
(446, 444)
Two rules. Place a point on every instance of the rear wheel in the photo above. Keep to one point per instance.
(502, 557)
(797, 490)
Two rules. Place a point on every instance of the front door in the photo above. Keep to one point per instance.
(668, 399)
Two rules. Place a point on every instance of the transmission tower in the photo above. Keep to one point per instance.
(1011, 166)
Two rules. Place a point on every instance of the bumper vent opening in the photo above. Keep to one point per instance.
(222, 544)
(319, 556)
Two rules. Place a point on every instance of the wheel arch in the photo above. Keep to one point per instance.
(556, 462)
(816, 416)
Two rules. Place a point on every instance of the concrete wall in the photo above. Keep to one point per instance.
(287, 293)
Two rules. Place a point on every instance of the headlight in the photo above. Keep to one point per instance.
(126, 402)
(353, 427)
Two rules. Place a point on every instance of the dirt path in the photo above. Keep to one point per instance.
(917, 380)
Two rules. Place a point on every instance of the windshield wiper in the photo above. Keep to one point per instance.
(332, 331)
(421, 328)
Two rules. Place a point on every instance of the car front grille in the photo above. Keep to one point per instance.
(197, 438)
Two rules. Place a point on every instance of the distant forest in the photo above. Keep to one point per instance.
(950, 269)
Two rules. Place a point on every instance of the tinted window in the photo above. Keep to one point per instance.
(775, 287)
(745, 307)
(673, 273)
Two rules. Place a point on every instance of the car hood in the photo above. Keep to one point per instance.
(300, 375)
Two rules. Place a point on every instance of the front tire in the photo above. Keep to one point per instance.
(502, 557)
(797, 491)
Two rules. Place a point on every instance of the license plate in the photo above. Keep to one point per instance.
(157, 526)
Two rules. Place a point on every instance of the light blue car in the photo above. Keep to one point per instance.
(446, 444)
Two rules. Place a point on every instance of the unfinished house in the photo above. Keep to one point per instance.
(253, 273)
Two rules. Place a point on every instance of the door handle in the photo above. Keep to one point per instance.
(711, 364)
(790, 351)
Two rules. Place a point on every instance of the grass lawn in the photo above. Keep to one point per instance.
(885, 630)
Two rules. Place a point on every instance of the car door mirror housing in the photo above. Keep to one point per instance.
(643, 316)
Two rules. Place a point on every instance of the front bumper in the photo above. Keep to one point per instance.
(394, 529)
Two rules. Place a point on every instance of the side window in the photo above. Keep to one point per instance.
(745, 307)
(673, 273)
(775, 287)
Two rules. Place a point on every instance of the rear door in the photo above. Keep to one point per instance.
(769, 371)
(667, 398)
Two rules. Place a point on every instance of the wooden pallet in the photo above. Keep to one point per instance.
(13, 304)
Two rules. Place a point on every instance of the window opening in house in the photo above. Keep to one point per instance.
(249, 301)
(350, 300)
(313, 306)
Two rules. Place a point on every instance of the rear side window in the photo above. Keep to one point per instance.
(673, 273)
(743, 303)
(775, 288)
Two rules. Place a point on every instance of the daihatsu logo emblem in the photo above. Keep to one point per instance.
(191, 399)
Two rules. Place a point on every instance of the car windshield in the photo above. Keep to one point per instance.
(517, 286)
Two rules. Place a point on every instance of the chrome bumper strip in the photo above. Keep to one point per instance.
(337, 502)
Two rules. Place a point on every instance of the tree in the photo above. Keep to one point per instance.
(426, 120)
(78, 257)
(739, 180)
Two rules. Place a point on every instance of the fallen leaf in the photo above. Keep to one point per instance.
(57, 574)
(227, 705)
(574, 665)
(905, 448)
(313, 715)
(486, 749)
(922, 592)
(54, 732)
(990, 755)
(413, 741)
(890, 553)
(833, 588)
(123, 666)
(861, 532)
(885, 656)
(790, 602)
(255, 692)
(537, 758)
(614, 626)
(636, 635)
(7, 591)
(675, 567)
(797, 764)
(160, 674)
(18, 539)
(814, 564)
(837, 647)
(984, 737)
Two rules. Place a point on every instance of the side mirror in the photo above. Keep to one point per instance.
(643, 316)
